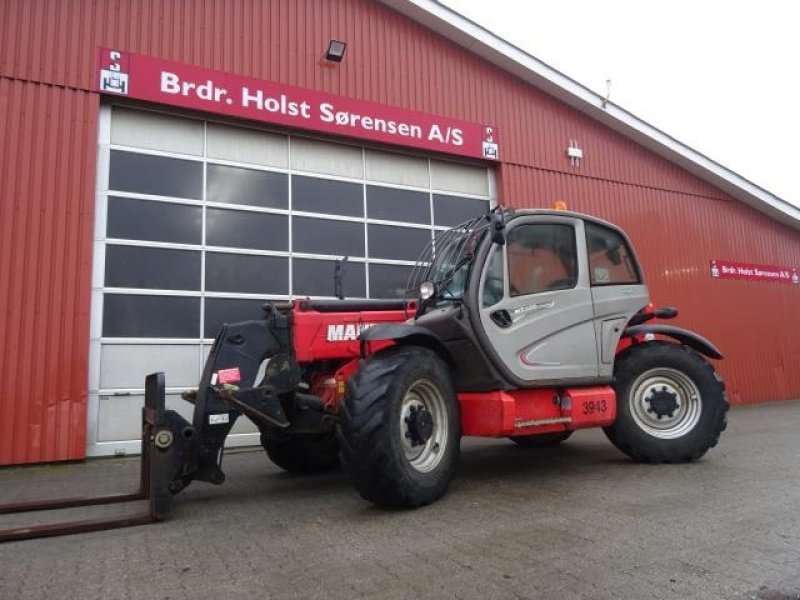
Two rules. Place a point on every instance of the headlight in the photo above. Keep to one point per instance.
(426, 290)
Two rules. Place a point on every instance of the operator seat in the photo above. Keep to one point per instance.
(533, 270)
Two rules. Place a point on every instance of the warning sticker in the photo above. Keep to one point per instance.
(229, 375)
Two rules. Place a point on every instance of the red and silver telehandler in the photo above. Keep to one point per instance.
(525, 324)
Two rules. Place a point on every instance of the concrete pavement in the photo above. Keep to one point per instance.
(579, 521)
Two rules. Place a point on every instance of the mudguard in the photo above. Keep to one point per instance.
(406, 335)
(684, 336)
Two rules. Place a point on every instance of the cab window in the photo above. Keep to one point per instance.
(493, 283)
(541, 257)
(611, 261)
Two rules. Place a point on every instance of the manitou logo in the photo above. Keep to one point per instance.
(346, 333)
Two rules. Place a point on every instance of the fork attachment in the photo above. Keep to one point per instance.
(164, 433)
(176, 452)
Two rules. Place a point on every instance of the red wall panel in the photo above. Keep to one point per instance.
(46, 217)
(48, 115)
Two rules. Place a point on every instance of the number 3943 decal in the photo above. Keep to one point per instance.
(591, 407)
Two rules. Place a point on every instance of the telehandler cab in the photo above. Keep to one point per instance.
(526, 324)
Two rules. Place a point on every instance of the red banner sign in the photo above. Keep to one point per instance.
(188, 86)
(725, 269)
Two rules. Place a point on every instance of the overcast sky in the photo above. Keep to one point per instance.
(723, 77)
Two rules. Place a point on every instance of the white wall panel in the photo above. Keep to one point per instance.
(455, 177)
(388, 167)
(247, 145)
(326, 158)
(154, 131)
(125, 366)
(120, 417)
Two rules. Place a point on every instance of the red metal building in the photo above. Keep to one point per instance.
(109, 188)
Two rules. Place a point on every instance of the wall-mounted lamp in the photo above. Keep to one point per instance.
(574, 153)
(335, 51)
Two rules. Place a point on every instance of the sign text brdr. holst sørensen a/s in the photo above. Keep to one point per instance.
(326, 112)
(727, 269)
(188, 86)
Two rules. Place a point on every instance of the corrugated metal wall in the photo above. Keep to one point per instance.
(47, 54)
(46, 218)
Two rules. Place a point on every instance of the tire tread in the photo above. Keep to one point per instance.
(627, 436)
(364, 436)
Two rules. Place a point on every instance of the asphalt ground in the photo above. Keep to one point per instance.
(578, 521)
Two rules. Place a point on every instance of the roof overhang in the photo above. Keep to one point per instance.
(508, 57)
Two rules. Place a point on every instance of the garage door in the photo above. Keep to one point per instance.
(199, 222)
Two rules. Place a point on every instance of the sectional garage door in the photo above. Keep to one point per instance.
(198, 223)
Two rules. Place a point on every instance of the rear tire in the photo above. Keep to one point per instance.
(670, 404)
(303, 453)
(399, 428)
(541, 440)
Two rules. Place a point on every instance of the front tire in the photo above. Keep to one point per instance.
(399, 428)
(670, 404)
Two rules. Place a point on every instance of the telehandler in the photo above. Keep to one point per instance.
(525, 324)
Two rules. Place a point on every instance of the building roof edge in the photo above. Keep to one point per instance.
(482, 42)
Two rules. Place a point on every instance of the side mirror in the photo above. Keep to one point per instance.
(498, 225)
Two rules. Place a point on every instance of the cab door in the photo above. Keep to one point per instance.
(536, 302)
(618, 290)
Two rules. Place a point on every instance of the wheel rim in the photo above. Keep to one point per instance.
(665, 403)
(421, 398)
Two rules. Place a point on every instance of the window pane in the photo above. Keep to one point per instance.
(316, 278)
(541, 258)
(246, 274)
(397, 243)
(392, 204)
(452, 210)
(150, 316)
(244, 229)
(146, 174)
(321, 236)
(154, 268)
(388, 281)
(494, 282)
(327, 196)
(133, 219)
(225, 310)
(235, 185)
(610, 260)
